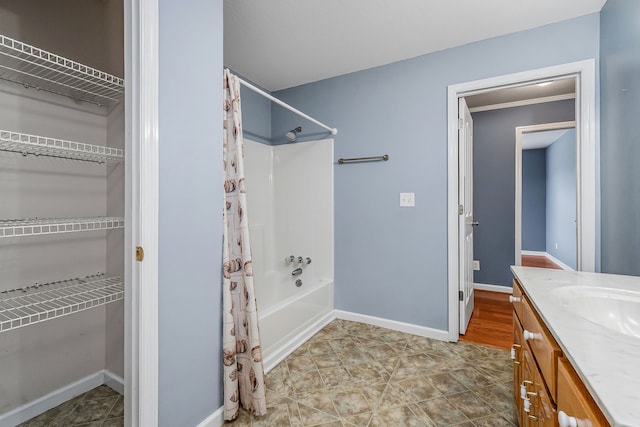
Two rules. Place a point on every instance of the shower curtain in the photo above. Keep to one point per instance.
(242, 355)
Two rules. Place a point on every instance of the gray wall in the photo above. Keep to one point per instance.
(534, 200)
(620, 136)
(256, 114)
(190, 211)
(561, 199)
(391, 262)
(494, 183)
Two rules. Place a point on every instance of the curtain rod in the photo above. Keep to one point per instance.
(284, 104)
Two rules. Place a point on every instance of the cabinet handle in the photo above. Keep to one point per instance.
(513, 299)
(565, 420)
(513, 351)
(530, 336)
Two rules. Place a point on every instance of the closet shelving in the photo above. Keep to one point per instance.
(44, 146)
(38, 227)
(32, 67)
(41, 302)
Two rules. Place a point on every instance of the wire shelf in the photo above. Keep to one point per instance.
(36, 227)
(43, 146)
(32, 67)
(41, 302)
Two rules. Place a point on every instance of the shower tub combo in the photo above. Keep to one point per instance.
(290, 212)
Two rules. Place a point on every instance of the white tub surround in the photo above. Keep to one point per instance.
(608, 362)
(290, 204)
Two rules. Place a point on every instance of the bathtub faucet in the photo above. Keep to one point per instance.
(296, 272)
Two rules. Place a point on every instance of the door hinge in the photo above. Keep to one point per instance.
(460, 209)
(139, 253)
(461, 295)
(460, 124)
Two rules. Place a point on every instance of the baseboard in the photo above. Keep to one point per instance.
(493, 288)
(51, 400)
(560, 263)
(290, 346)
(534, 253)
(551, 257)
(114, 381)
(409, 328)
(214, 420)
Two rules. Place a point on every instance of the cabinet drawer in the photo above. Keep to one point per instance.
(574, 399)
(542, 411)
(517, 362)
(543, 346)
(517, 299)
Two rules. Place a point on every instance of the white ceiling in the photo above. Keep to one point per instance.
(543, 139)
(284, 43)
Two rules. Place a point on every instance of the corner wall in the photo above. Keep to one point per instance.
(620, 136)
(190, 211)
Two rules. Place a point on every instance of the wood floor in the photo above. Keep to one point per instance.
(539, 261)
(491, 321)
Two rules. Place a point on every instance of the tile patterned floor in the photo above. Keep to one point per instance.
(353, 374)
(100, 407)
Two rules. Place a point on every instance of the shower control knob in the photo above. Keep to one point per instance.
(290, 258)
(307, 260)
(300, 260)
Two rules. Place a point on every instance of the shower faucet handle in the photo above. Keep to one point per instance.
(307, 260)
(290, 258)
(300, 260)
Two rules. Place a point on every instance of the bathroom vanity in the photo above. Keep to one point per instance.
(576, 350)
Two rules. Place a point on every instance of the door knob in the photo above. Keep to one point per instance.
(475, 223)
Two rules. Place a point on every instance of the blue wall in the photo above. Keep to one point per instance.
(391, 262)
(190, 227)
(534, 200)
(256, 115)
(494, 199)
(620, 136)
(561, 199)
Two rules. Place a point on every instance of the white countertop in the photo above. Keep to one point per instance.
(608, 362)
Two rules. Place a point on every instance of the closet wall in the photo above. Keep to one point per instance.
(42, 358)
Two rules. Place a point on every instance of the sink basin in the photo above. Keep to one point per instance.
(615, 309)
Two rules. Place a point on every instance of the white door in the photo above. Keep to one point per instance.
(465, 219)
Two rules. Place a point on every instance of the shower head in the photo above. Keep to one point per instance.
(292, 134)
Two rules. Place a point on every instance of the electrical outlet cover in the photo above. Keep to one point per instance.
(407, 200)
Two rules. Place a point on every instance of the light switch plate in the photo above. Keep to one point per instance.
(476, 265)
(407, 200)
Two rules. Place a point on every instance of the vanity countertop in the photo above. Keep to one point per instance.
(608, 362)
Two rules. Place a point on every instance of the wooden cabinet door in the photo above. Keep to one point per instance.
(574, 399)
(542, 412)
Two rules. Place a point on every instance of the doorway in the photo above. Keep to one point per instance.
(546, 201)
(584, 72)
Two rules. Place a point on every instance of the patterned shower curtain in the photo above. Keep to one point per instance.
(242, 355)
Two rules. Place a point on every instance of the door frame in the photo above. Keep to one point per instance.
(141, 212)
(520, 130)
(586, 168)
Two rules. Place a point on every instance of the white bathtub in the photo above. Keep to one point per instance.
(289, 315)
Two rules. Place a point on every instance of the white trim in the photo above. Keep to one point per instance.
(534, 253)
(116, 382)
(520, 130)
(272, 360)
(493, 288)
(558, 262)
(523, 102)
(586, 119)
(550, 257)
(57, 397)
(214, 420)
(408, 328)
(141, 210)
